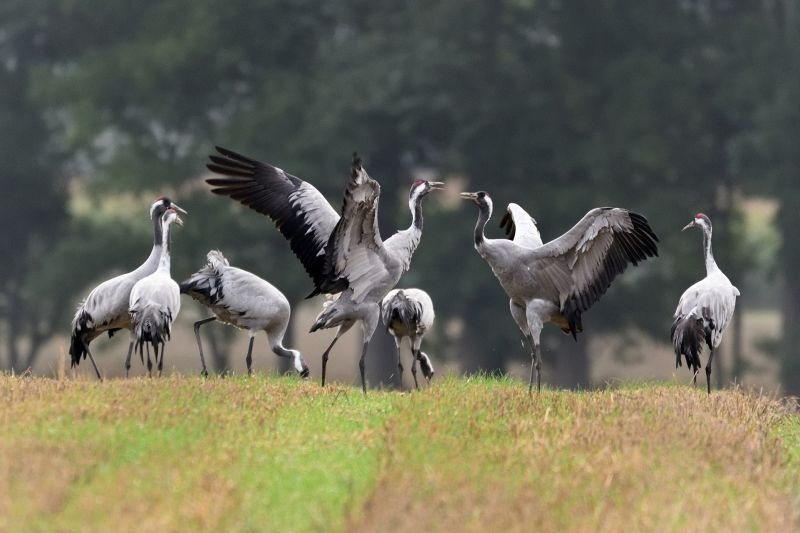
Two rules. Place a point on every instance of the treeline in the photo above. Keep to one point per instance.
(663, 107)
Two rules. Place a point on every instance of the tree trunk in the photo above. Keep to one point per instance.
(788, 222)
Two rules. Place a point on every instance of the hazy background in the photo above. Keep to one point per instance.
(663, 107)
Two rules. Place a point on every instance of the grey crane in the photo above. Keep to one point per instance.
(344, 255)
(245, 301)
(106, 307)
(704, 310)
(558, 281)
(409, 313)
(156, 300)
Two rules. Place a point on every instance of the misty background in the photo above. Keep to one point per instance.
(666, 108)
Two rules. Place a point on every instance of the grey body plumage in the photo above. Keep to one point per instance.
(409, 313)
(704, 310)
(558, 281)
(344, 255)
(243, 300)
(105, 309)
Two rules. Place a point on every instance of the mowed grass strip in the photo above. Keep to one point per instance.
(186, 454)
(274, 453)
(480, 454)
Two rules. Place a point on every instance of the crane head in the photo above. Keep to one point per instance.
(161, 204)
(480, 197)
(422, 187)
(425, 365)
(700, 220)
(170, 216)
(300, 364)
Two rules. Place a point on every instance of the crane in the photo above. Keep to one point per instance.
(556, 282)
(704, 310)
(106, 307)
(156, 300)
(344, 255)
(409, 313)
(245, 301)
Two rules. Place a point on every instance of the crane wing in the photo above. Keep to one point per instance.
(710, 299)
(582, 263)
(355, 254)
(296, 207)
(521, 227)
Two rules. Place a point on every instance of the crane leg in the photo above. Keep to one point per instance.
(325, 357)
(149, 363)
(161, 359)
(128, 359)
(414, 357)
(197, 325)
(708, 370)
(399, 362)
(362, 367)
(536, 364)
(249, 358)
(91, 358)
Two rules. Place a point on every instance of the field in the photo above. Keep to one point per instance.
(273, 453)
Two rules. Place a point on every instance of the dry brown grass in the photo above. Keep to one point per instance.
(654, 459)
(473, 454)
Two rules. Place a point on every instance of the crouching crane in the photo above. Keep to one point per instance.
(558, 281)
(409, 313)
(704, 310)
(106, 307)
(344, 255)
(245, 301)
(156, 300)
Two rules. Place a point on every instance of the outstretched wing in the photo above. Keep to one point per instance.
(355, 253)
(584, 261)
(521, 227)
(296, 207)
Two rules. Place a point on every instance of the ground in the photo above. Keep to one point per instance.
(274, 453)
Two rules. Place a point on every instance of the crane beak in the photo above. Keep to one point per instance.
(436, 185)
(179, 220)
(689, 225)
(179, 208)
(468, 196)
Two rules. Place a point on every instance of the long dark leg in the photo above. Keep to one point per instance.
(414, 356)
(536, 364)
(399, 363)
(325, 357)
(161, 359)
(128, 359)
(197, 325)
(91, 358)
(708, 370)
(249, 358)
(362, 367)
(149, 363)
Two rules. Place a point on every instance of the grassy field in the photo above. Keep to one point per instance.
(270, 453)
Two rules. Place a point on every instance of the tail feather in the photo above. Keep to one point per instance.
(401, 309)
(205, 285)
(151, 326)
(79, 339)
(688, 335)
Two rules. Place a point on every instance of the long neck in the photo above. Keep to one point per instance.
(415, 205)
(711, 265)
(484, 215)
(151, 263)
(164, 258)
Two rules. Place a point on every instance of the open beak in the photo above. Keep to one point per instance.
(179, 208)
(436, 185)
(468, 196)
(689, 225)
(179, 220)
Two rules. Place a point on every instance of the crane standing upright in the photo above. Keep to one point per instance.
(106, 307)
(558, 281)
(704, 310)
(245, 301)
(344, 255)
(156, 300)
(409, 313)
